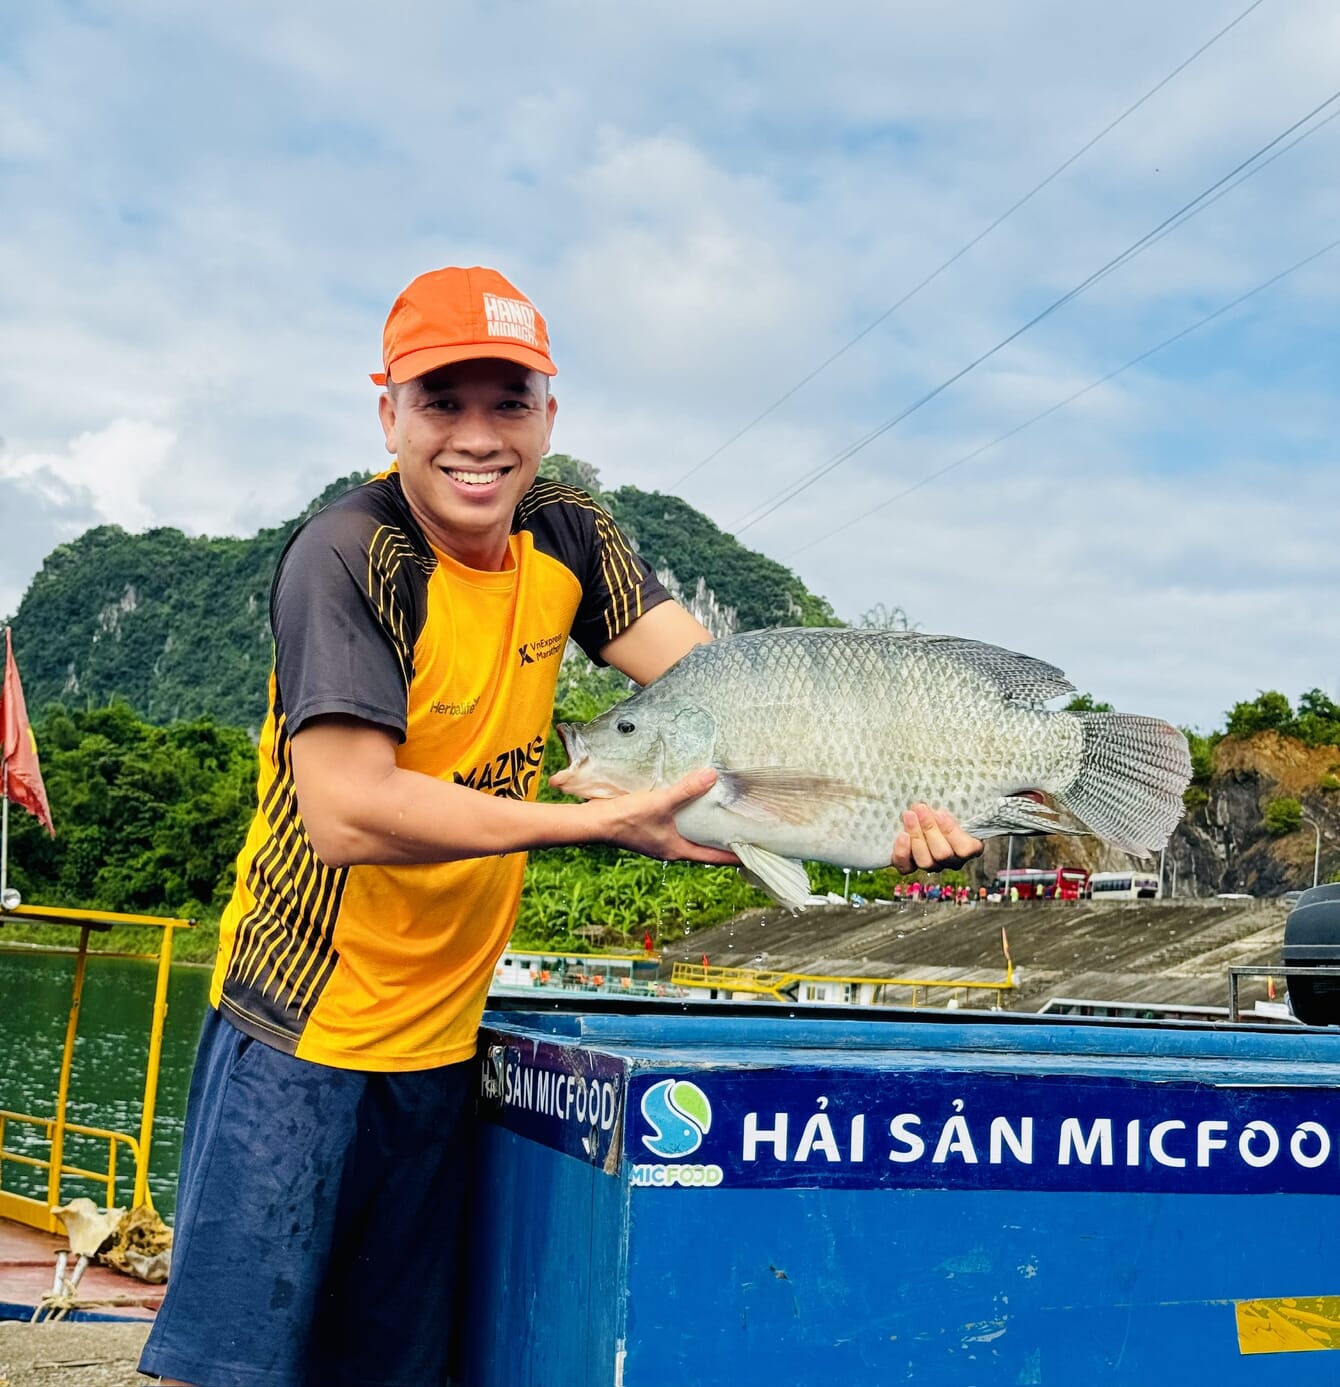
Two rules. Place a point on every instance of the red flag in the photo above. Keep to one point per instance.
(22, 779)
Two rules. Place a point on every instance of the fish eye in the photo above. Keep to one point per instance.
(625, 725)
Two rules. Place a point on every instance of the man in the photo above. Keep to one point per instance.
(418, 624)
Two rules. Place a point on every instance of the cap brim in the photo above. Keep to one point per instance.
(415, 364)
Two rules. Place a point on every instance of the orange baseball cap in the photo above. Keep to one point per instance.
(457, 314)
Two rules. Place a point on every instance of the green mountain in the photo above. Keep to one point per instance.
(178, 627)
(669, 533)
(175, 626)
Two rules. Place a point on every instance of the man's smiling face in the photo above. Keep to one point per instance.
(468, 439)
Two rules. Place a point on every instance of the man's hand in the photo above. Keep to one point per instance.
(931, 841)
(645, 822)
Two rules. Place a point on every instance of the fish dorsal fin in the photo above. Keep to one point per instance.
(773, 794)
(1021, 678)
(782, 877)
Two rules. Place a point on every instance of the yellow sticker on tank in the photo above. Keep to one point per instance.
(1291, 1324)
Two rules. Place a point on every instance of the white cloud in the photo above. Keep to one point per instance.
(115, 471)
(707, 201)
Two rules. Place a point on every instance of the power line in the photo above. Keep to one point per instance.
(1228, 188)
(1182, 215)
(963, 250)
(1070, 399)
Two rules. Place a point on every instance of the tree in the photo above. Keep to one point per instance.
(1266, 713)
(1086, 703)
(882, 617)
(1318, 720)
(571, 471)
(149, 819)
(1202, 753)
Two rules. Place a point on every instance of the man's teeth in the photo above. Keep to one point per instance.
(475, 478)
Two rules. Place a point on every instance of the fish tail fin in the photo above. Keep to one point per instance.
(1132, 773)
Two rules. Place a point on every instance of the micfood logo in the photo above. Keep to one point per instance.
(679, 1114)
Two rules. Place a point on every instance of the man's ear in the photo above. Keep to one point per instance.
(386, 412)
(551, 409)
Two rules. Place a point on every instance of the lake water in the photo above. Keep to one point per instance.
(107, 1080)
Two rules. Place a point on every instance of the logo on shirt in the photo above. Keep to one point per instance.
(456, 710)
(510, 774)
(544, 649)
(510, 318)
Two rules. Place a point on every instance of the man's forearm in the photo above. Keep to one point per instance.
(359, 806)
(407, 817)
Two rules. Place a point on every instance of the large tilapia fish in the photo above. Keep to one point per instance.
(822, 738)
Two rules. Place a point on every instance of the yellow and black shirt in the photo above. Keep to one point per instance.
(387, 968)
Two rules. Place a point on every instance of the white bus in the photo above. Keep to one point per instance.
(1134, 885)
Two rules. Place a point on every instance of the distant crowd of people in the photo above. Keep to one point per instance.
(933, 891)
(919, 892)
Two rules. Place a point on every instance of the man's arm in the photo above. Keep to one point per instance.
(654, 642)
(359, 806)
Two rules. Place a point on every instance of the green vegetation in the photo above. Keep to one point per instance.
(1197, 794)
(178, 627)
(148, 819)
(669, 533)
(1283, 815)
(1086, 703)
(1316, 723)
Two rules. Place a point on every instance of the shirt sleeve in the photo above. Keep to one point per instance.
(618, 585)
(345, 609)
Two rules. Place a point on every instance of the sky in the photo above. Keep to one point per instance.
(207, 212)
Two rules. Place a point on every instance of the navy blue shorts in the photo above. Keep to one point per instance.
(317, 1236)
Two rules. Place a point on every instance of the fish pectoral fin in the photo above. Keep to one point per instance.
(775, 795)
(781, 877)
(1016, 814)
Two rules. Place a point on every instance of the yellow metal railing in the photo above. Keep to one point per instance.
(34, 1212)
(782, 985)
(11, 1199)
(752, 980)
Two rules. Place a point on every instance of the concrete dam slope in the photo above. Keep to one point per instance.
(1145, 951)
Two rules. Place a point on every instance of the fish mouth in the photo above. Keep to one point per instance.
(580, 777)
(574, 748)
(578, 758)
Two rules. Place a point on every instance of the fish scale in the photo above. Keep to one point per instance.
(822, 738)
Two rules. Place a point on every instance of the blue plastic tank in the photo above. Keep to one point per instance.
(724, 1197)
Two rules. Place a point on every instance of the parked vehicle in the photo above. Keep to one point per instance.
(1125, 886)
(1042, 883)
